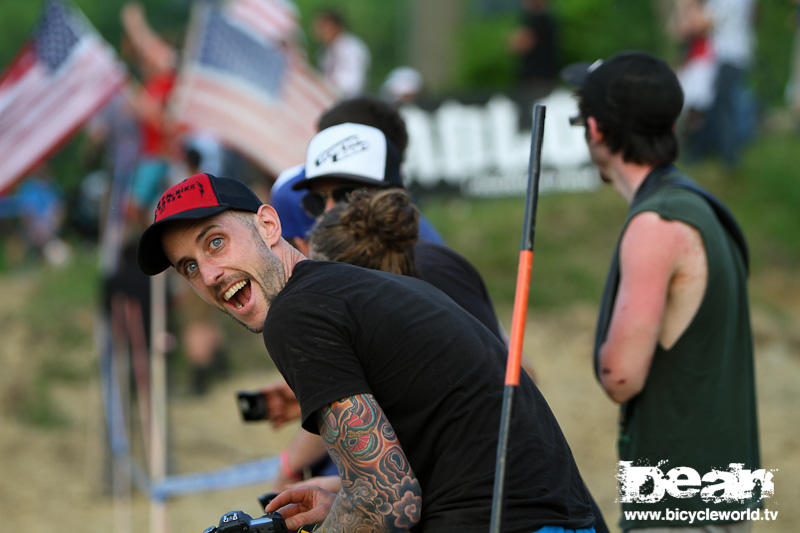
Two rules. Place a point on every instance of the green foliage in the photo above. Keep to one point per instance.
(56, 296)
(52, 325)
(16, 22)
(765, 195)
(775, 28)
(76, 284)
(483, 58)
(592, 29)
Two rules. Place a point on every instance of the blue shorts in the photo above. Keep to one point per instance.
(559, 529)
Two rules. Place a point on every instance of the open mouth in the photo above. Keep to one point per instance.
(238, 294)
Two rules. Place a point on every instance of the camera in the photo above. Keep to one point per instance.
(252, 405)
(241, 522)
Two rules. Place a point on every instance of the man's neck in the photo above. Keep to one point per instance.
(289, 256)
(627, 177)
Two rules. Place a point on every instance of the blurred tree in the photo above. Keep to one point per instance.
(774, 33)
(16, 22)
(483, 60)
(433, 30)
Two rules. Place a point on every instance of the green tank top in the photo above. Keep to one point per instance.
(698, 405)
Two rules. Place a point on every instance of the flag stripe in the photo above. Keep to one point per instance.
(250, 128)
(36, 91)
(248, 105)
(269, 18)
(310, 85)
(37, 158)
(21, 64)
(247, 136)
(35, 108)
(274, 123)
(34, 142)
(301, 95)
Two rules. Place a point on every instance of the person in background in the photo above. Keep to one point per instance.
(42, 212)
(375, 229)
(535, 43)
(674, 344)
(157, 61)
(345, 58)
(733, 116)
(403, 86)
(689, 25)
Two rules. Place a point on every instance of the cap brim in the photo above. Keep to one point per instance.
(576, 73)
(150, 253)
(348, 178)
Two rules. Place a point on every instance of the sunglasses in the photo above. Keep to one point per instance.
(577, 120)
(314, 201)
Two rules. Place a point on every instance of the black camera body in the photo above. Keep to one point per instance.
(252, 405)
(241, 522)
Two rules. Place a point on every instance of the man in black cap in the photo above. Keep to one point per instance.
(402, 384)
(674, 344)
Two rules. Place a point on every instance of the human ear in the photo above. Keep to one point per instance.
(269, 225)
(593, 133)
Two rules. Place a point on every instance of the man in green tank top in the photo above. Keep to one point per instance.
(674, 345)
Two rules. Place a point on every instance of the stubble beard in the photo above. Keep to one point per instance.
(269, 279)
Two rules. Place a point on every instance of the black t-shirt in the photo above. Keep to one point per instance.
(456, 277)
(337, 330)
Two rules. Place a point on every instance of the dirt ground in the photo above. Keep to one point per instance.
(52, 479)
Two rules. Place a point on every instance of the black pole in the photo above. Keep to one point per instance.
(520, 307)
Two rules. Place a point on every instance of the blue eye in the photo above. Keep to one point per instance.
(190, 268)
(216, 242)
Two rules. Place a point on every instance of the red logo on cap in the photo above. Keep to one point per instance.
(191, 193)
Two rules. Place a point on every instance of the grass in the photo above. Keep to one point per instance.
(51, 311)
(573, 235)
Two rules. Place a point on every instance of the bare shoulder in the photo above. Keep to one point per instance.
(650, 235)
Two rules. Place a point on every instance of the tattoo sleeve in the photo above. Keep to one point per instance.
(379, 489)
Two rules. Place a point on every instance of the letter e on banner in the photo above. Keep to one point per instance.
(683, 476)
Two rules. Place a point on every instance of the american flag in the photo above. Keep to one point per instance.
(276, 20)
(243, 80)
(60, 78)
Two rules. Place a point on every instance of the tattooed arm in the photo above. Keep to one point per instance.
(379, 489)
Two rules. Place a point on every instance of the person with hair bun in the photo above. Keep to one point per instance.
(375, 229)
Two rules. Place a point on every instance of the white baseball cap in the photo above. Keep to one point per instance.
(353, 153)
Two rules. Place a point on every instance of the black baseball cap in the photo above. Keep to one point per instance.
(199, 196)
(632, 89)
